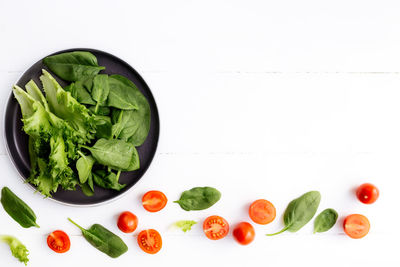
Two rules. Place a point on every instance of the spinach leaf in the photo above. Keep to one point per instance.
(100, 90)
(199, 198)
(136, 123)
(108, 181)
(134, 164)
(132, 125)
(185, 225)
(300, 211)
(18, 209)
(103, 126)
(73, 66)
(18, 250)
(121, 95)
(114, 153)
(325, 220)
(103, 239)
(84, 167)
(90, 182)
(79, 92)
(87, 190)
(102, 111)
(87, 82)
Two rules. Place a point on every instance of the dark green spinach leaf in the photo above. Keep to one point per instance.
(87, 190)
(137, 122)
(79, 92)
(114, 153)
(300, 211)
(103, 126)
(325, 220)
(121, 95)
(102, 111)
(108, 180)
(18, 209)
(100, 90)
(84, 167)
(73, 66)
(199, 198)
(103, 239)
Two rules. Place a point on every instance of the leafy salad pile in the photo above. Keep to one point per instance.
(85, 133)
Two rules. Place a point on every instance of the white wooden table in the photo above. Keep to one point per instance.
(260, 99)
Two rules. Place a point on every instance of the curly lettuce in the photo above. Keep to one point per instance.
(56, 125)
(18, 250)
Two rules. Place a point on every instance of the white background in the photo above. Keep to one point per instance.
(260, 99)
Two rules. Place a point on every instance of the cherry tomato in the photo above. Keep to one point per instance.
(215, 227)
(367, 193)
(127, 222)
(262, 211)
(58, 241)
(154, 201)
(150, 241)
(244, 233)
(356, 226)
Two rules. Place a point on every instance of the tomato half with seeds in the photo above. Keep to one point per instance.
(356, 226)
(59, 241)
(215, 227)
(244, 233)
(127, 222)
(150, 241)
(262, 211)
(367, 193)
(154, 201)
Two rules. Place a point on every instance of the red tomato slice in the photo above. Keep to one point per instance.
(244, 233)
(150, 241)
(127, 222)
(262, 211)
(154, 201)
(215, 227)
(367, 193)
(356, 226)
(59, 241)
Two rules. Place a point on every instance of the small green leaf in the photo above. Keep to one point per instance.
(185, 225)
(325, 220)
(18, 250)
(300, 211)
(103, 239)
(199, 198)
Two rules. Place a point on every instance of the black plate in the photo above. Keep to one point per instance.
(17, 140)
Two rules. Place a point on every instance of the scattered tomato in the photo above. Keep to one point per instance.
(356, 226)
(244, 233)
(150, 241)
(367, 193)
(215, 227)
(154, 201)
(262, 211)
(58, 241)
(127, 222)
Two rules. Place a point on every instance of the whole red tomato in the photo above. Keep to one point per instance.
(244, 233)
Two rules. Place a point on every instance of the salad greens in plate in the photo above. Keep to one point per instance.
(85, 133)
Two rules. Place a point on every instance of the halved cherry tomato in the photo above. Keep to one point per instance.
(262, 211)
(367, 193)
(356, 226)
(244, 233)
(58, 241)
(154, 201)
(150, 241)
(215, 227)
(127, 222)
